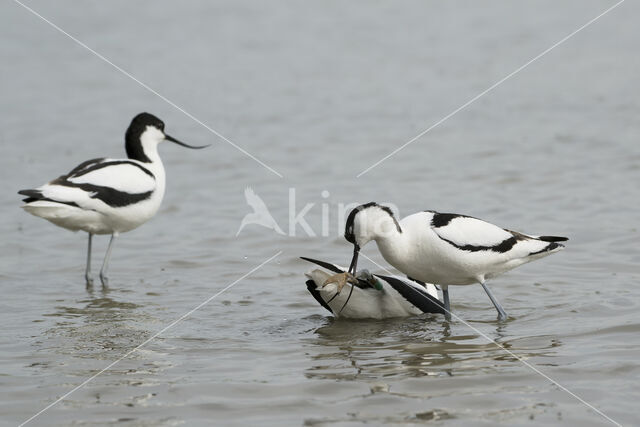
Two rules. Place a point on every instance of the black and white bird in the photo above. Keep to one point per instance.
(443, 248)
(374, 296)
(108, 196)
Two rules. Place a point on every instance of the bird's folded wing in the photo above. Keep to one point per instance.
(118, 175)
(467, 231)
(96, 184)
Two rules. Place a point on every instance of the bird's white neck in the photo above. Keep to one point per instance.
(393, 247)
(376, 224)
(380, 225)
(149, 143)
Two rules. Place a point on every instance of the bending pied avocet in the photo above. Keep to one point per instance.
(374, 296)
(108, 196)
(443, 248)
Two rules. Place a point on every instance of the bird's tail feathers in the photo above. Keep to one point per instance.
(553, 238)
(32, 195)
(547, 250)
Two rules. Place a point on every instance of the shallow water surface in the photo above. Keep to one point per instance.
(320, 92)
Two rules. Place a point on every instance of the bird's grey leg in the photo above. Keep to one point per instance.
(502, 315)
(87, 271)
(105, 264)
(447, 305)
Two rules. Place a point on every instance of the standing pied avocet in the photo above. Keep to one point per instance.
(442, 248)
(374, 296)
(108, 196)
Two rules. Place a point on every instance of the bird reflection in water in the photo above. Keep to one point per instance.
(415, 347)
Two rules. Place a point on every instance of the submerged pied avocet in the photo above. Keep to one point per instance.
(108, 196)
(442, 248)
(372, 296)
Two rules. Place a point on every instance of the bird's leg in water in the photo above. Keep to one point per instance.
(105, 264)
(87, 271)
(502, 315)
(447, 304)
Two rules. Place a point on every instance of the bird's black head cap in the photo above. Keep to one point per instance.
(349, 232)
(134, 131)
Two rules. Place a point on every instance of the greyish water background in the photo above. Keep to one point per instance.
(320, 91)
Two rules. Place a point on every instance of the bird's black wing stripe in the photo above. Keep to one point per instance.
(420, 299)
(443, 219)
(79, 171)
(111, 196)
(311, 287)
(507, 244)
(326, 265)
(83, 165)
(501, 247)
